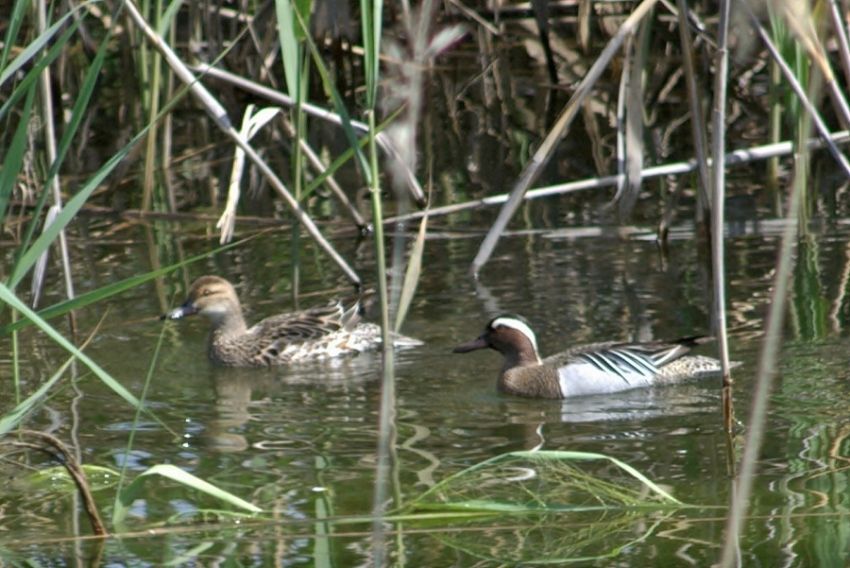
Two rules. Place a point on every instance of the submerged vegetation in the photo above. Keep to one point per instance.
(314, 123)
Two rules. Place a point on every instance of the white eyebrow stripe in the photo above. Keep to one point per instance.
(521, 327)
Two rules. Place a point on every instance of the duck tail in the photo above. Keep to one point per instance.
(351, 316)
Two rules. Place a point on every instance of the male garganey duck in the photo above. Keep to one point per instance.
(312, 334)
(597, 368)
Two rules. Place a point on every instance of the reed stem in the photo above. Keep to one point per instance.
(387, 408)
(718, 171)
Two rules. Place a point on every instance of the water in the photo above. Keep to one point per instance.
(300, 442)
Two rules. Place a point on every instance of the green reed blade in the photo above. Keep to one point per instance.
(10, 421)
(339, 106)
(114, 288)
(14, 158)
(29, 258)
(346, 155)
(174, 473)
(7, 296)
(168, 16)
(370, 17)
(290, 35)
(15, 21)
(35, 72)
(80, 107)
(35, 46)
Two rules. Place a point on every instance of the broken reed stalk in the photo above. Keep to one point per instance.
(219, 116)
(547, 146)
(734, 158)
(51, 445)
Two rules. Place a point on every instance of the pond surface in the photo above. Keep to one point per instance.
(300, 442)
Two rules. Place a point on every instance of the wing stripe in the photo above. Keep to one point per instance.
(641, 363)
(598, 360)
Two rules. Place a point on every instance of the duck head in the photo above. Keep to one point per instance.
(212, 297)
(509, 334)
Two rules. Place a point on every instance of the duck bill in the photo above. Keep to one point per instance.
(187, 309)
(479, 343)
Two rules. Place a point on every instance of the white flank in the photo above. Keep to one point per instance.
(578, 379)
(520, 326)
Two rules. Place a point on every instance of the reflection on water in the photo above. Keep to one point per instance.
(300, 441)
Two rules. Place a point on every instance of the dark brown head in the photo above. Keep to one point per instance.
(510, 335)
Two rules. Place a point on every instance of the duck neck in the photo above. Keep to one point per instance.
(524, 358)
(228, 323)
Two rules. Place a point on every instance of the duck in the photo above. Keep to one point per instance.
(323, 332)
(596, 368)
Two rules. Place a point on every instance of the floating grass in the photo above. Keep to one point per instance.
(541, 481)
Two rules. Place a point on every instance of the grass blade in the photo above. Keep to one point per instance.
(115, 288)
(35, 73)
(411, 276)
(7, 296)
(35, 46)
(14, 158)
(30, 257)
(174, 473)
(11, 420)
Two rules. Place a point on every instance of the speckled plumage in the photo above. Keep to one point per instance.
(313, 334)
(597, 368)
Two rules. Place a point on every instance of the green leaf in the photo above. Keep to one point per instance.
(14, 159)
(339, 107)
(15, 21)
(174, 473)
(6, 295)
(370, 17)
(11, 420)
(587, 456)
(33, 74)
(113, 289)
(81, 105)
(30, 257)
(35, 46)
(168, 16)
(290, 48)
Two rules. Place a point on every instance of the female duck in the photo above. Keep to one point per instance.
(598, 368)
(316, 333)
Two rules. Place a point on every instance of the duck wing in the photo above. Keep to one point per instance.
(632, 362)
(308, 325)
(271, 336)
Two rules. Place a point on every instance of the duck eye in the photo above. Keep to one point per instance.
(206, 292)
